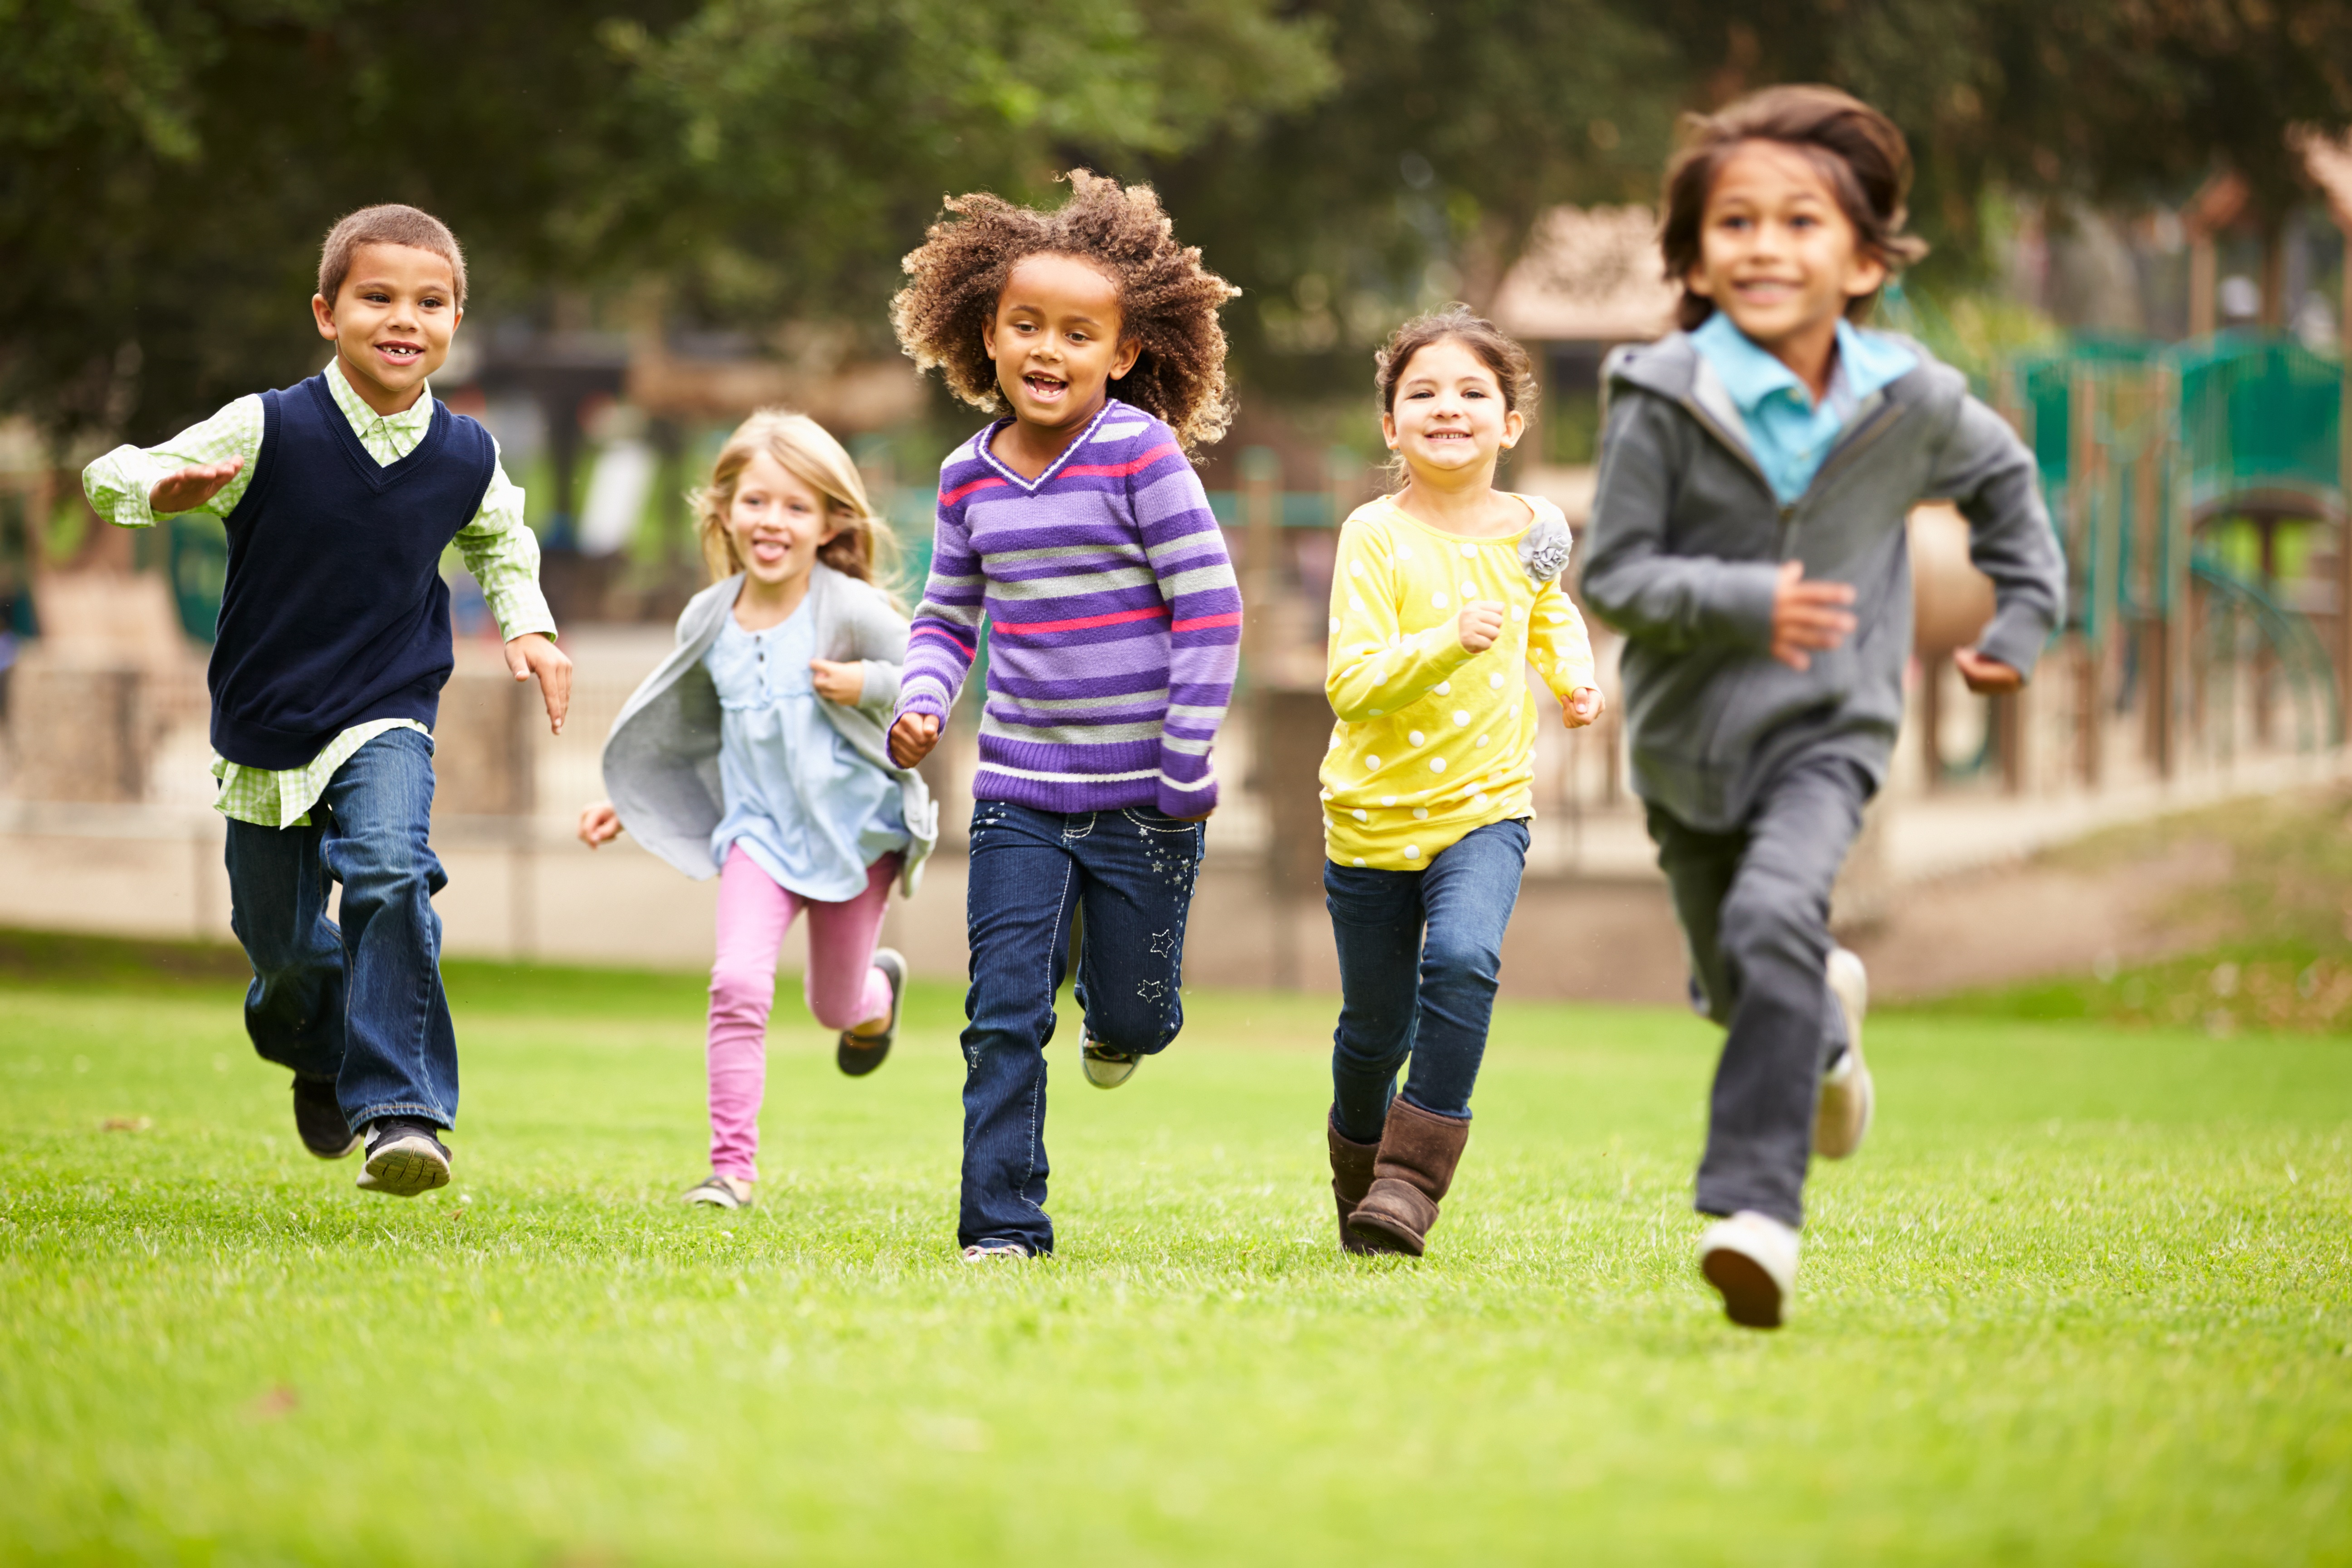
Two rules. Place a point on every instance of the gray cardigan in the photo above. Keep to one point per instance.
(1687, 538)
(661, 760)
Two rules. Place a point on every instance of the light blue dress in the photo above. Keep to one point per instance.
(807, 809)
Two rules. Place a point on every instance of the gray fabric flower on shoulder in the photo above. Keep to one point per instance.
(1543, 549)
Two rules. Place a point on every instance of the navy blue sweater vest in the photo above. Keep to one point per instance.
(334, 612)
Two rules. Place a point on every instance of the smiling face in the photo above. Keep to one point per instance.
(1056, 341)
(777, 521)
(1777, 253)
(1449, 417)
(391, 321)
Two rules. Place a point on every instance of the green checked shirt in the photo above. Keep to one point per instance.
(497, 549)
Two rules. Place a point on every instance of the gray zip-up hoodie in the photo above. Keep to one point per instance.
(1685, 544)
(661, 759)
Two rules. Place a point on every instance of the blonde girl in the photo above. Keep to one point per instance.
(1443, 592)
(756, 752)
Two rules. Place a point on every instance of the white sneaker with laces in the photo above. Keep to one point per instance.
(1751, 1259)
(1842, 1116)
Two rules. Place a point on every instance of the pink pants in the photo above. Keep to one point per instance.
(842, 984)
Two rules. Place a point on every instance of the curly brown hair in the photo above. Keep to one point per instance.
(1168, 301)
(1859, 152)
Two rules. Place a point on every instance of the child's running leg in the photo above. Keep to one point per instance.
(1376, 924)
(1025, 884)
(400, 1055)
(400, 1051)
(1763, 954)
(294, 1008)
(1466, 897)
(1139, 868)
(843, 986)
(753, 915)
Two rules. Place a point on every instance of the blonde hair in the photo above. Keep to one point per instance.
(865, 549)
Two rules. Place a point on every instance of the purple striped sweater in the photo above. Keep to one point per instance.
(1115, 621)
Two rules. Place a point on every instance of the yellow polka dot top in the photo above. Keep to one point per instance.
(1433, 741)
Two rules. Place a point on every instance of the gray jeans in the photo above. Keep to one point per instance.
(1755, 909)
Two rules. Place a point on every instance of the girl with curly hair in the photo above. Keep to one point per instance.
(1439, 592)
(756, 752)
(1076, 526)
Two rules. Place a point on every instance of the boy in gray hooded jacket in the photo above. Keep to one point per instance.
(1748, 538)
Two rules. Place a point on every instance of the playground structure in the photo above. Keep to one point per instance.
(2197, 490)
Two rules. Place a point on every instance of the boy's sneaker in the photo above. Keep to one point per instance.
(319, 1119)
(1751, 1259)
(1842, 1114)
(1108, 1068)
(721, 1193)
(405, 1156)
(982, 1251)
(858, 1055)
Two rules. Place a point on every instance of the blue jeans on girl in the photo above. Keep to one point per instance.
(1132, 872)
(1420, 953)
(358, 1002)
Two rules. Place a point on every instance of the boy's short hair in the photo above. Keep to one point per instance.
(391, 223)
(1857, 150)
(1168, 300)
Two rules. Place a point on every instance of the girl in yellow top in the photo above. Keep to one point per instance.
(1440, 591)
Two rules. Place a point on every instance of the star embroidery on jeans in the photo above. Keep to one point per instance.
(1164, 943)
(1152, 990)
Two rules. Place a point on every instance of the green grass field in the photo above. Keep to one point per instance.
(2083, 1299)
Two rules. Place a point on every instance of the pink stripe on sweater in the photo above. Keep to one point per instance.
(1084, 622)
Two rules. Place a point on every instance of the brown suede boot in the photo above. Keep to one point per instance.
(1415, 1165)
(1351, 1178)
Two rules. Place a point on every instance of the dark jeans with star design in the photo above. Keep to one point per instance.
(1115, 886)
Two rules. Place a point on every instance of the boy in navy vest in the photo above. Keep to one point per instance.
(338, 497)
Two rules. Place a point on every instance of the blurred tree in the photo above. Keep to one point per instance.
(1417, 178)
(789, 152)
(167, 168)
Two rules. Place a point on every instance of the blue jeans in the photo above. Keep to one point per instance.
(1420, 953)
(1131, 871)
(360, 1002)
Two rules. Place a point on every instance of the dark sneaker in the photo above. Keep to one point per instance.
(405, 1156)
(319, 1119)
(858, 1055)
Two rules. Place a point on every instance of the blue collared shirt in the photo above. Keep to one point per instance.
(1787, 433)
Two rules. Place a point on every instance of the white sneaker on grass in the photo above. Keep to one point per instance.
(1841, 1115)
(1108, 1068)
(1751, 1259)
(984, 1251)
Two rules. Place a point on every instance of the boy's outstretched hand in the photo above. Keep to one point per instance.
(1808, 617)
(191, 486)
(912, 738)
(535, 653)
(1584, 705)
(1987, 677)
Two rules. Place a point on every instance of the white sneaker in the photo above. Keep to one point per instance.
(1842, 1114)
(1751, 1259)
(981, 1252)
(1106, 1068)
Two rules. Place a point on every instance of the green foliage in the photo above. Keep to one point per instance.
(2082, 1298)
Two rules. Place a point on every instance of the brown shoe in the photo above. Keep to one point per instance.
(1351, 1178)
(1415, 1166)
